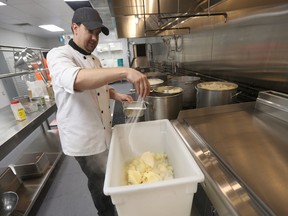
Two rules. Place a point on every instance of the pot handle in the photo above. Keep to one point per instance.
(188, 82)
(236, 94)
(134, 90)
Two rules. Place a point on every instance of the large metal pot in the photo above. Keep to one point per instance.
(188, 84)
(215, 93)
(163, 107)
(156, 74)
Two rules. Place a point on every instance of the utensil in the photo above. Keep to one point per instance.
(25, 59)
(9, 201)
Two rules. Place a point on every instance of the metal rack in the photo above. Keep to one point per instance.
(17, 72)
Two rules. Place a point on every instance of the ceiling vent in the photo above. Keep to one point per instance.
(78, 4)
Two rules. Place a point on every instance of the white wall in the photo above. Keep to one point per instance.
(10, 38)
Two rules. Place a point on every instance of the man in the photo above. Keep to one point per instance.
(82, 97)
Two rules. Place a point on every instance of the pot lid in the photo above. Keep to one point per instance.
(168, 90)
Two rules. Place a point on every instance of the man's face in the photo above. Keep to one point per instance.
(85, 38)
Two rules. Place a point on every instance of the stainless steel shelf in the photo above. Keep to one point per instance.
(14, 132)
(31, 190)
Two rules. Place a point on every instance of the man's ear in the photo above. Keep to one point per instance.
(74, 27)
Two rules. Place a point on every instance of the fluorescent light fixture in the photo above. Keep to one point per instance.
(52, 28)
(2, 3)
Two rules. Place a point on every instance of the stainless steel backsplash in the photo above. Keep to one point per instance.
(251, 50)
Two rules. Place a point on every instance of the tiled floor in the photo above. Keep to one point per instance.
(68, 194)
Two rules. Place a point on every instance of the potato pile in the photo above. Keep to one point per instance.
(149, 167)
(216, 86)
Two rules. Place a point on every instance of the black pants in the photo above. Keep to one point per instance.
(94, 168)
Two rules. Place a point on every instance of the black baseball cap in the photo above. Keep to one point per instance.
(90, 18)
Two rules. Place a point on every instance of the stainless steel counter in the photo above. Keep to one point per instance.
(243, 153)
(14, 132)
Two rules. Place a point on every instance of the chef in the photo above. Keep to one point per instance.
(82, 96)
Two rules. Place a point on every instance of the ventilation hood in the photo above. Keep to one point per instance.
(149, 18)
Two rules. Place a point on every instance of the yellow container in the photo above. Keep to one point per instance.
(18, 110)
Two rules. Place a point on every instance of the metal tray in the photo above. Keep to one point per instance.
(31, 165)
(134, 108)
(8, 180)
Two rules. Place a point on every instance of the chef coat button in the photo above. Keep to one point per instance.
(98, 94)
(93, 58)
(104, 128)
(109, 107)
(110, 122)
(84, 57)
(102, 111)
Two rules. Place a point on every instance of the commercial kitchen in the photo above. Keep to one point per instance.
(237, 137)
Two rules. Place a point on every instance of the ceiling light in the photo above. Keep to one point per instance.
(51, 28)
(2, 3)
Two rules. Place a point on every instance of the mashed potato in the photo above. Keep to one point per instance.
(216, 86)
(155, 81)
(149, 167)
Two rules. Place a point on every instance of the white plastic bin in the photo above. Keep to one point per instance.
(166, 198)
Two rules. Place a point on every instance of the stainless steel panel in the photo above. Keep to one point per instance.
(8, 180)
(222, 188)
(148, 14)
(247, 142)
(251, 50)
(274, 104)
(140, 7)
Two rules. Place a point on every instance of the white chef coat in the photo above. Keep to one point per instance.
(83, 117)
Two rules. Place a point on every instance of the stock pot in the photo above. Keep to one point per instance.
(188, 84)
(165, 102)
(215, 93)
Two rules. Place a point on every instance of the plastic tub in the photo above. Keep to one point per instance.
(170, 197)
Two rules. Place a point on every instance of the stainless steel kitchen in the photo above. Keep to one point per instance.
(209, 139)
